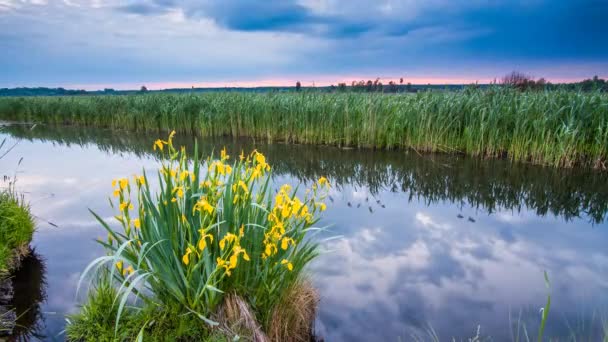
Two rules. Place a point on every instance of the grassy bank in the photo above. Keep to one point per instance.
(16, 230)
(213, 252)
(559, 128)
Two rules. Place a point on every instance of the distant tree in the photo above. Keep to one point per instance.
(408, 87)
(342, 87)
(401, 80)
(392, 87)
(541, 83)
(143, 89)
(518, 80)
(298, 86)
(108, 90)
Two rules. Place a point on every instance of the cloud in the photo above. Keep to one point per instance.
(204, 40)
(143, 9)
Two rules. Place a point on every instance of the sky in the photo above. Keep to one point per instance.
(96, 44)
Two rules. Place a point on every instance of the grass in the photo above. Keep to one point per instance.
(96, 320)
(558, 128)
(16, 222)
(16, 230)
(213, 246)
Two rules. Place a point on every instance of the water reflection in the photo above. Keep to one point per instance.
(436, 240)
(26, 289)
(490, 185)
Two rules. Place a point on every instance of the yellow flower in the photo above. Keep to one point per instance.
(136, 223)
(285, 211)
(270, 249)
(129, 270)
(323, 181)
(158, 144)
(113, 183)
(224, 155)
(228, 169)
(123, 205)
(123, 183)
(183, 175)
(206, 183)
(236, 251)
(287, 264)
(116, 192)
(234, 258)
(286, 241)
(186, 257)
(242, 155)
(260, 158)
(242, 230)
(243, 186)
(119, 265)
(222, 263)
(229, 237)
(202, 243)
(255, 174)
(322, 206)
(204, 205)
(180, 191)
(183, 218)
(140, 180)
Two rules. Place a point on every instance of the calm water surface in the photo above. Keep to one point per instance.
(426, 242)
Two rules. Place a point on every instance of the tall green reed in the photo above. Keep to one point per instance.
(559, 128)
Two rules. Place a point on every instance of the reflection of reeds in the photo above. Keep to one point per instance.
(487, 184)
(560, 128)
(29, 291)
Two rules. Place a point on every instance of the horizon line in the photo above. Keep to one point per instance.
(290, 82)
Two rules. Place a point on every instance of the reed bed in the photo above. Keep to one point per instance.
(559, 128)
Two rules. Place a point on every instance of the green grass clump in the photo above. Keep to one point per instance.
(96, 320)
(16, 230)
(214, 245)
(557, 127)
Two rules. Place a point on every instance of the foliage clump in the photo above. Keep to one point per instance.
(16, 230)
(213, 232)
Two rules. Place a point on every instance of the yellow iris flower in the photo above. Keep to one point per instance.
(287, 264)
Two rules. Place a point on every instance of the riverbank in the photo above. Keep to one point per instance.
(557, 128)
(16, 231)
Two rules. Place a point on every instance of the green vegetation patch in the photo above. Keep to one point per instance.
(552, 127)
(214, 250)
(16, 230)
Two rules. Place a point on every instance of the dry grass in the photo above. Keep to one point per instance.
(236, 318)
(292, 320)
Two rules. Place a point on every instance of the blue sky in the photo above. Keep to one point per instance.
(163, 43)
